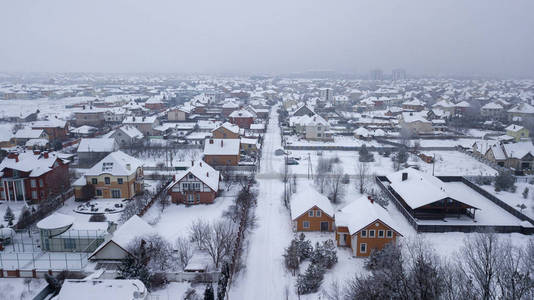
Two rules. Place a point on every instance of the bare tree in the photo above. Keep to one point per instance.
(198, 230)
(513, 275)
(184, 251)
(219, 241)
(362, 176)
(481, 263)
(335, 185)
(160, 253)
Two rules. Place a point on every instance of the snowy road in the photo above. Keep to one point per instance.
(265, 276)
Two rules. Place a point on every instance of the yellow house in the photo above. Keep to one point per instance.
(118, 175)
(517, 132)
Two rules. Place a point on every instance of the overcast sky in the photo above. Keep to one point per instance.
(272, 36)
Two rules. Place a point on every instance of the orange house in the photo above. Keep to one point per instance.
(197, 185)
(311, 211)
(364, 226)
(226, 131)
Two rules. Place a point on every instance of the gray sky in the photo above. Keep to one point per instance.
(271, 36)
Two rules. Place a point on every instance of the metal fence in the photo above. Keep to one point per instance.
(43, 261)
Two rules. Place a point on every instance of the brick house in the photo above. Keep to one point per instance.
(197, 185)
(57, 130)
(226, 131)
(364, 226)
(178, 114)
(222, 152)
(118, 175)
(242, 118)
(311, 211)
(32, 176)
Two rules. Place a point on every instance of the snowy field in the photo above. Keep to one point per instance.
(447, 163)
(180, 157)
(20, 288)
(346, 141)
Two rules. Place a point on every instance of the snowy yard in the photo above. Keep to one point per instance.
(101, 206)
(20, 288)
(515, 199)
(447, 163)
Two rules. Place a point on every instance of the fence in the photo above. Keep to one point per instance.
(154, 198)
(24, 263)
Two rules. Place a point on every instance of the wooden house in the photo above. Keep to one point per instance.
(311, 210)
(197, 185)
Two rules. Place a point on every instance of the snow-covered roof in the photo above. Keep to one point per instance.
(52, 123)
(444, 104)
(361, 131)
(258, 126)
(523, 107)
(55, 221)
(221, 147)
(514, 128)
(463, 104)
(362, 212)
(88, 289)
(204, 172)
(97, 145)
(492, 105)
(131, 131)
(139, 120)
(116, 163)
(84, 129)
(36, 142)
(28, 133)
(420, 189)
(414, 102)
(307, 197)
(232, 127)
(409, 117)
(36, 164)
(242, 113)
(518, 150)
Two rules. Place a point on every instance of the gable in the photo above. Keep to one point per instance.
(372, 226)
(315, 207)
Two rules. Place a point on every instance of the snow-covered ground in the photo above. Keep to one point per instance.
(19, 288)
(345, 141)
(265, 276)
(515, 199)
(447, 163)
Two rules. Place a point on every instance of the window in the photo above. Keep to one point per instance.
(317, 213)
(363, 247)
(190, 198)
(381, 233)
(33, 183)
(389, 233)
(107, 180)
(120, 180)
(372, 233)
(69, 244)
(99, 192)
(185, 186)
(310, 213)
(94, 181)
(364, 233)
(306, 224)
(197, 186)
(115, 193)
(191, 176)
(198, 197)
(34, 194)
(41, 183)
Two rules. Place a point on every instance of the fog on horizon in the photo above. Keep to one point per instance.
(423, 37)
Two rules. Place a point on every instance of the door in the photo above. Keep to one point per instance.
(324, 226)
(342, 239)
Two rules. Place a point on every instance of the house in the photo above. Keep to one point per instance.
(462, 107)
(23, 135)
(127, 136)
(145, 124)
(61, 233)
(311, 128)
(91, 150)
(178, 114)
(362, 133)
(517, 132)
(197, 185)
(118, 175)
(520, 111)
(242, 118)
(84, 131)
(155, 103)
(413, 105)
(415, 122)
(229, 106)
(364, 226)
(491, 110)
(250, 145)
(446, 106)
(426, 197)
(226, 131)
(311, 210)
(89, 115)
(32, 176)
(222, 152)
(56, 129)
(257, 128)
(115, 248)
(89, 289)
(303, 110)
(518, 156)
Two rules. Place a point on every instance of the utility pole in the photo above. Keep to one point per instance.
(433, 163)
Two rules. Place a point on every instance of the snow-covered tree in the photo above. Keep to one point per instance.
(311, 280)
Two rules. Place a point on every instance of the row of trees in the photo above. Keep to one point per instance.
(486, 267)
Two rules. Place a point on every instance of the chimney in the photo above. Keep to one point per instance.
(45, 154)
(211, 141)
(200, 162)
(404, 176)
(207, 174)
(371, 199)
(192, 163)
(173, 177)
(222, 143)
